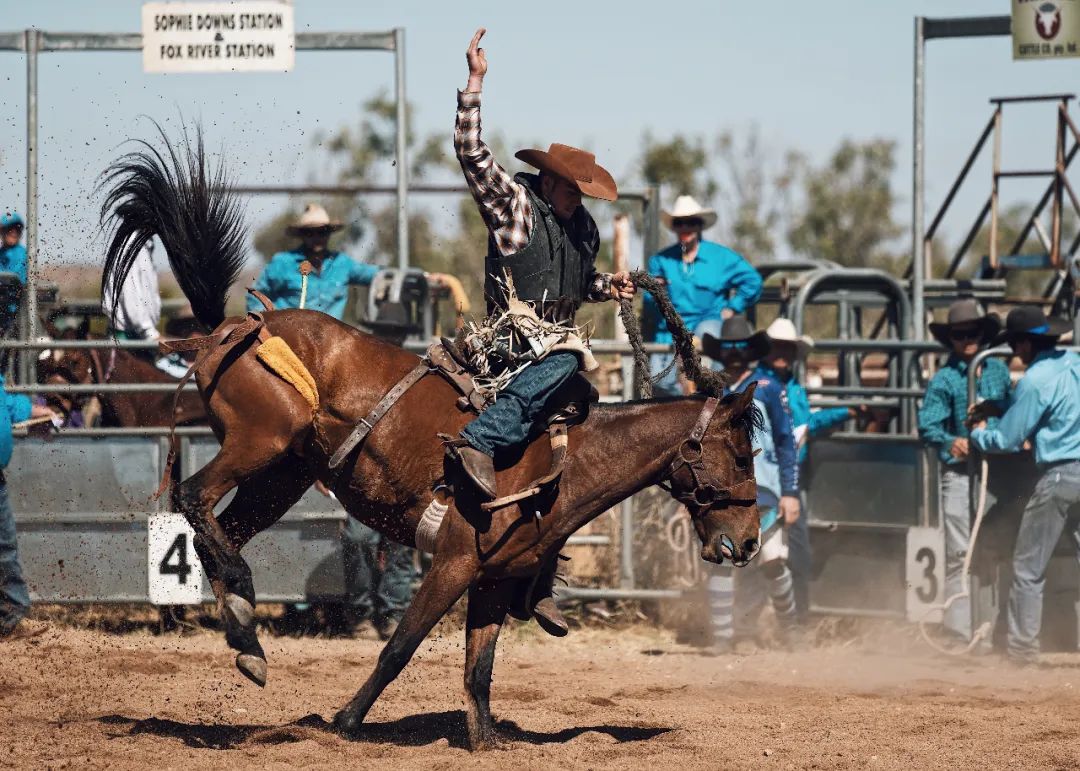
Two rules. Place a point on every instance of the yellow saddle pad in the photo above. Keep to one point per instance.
(276, 354)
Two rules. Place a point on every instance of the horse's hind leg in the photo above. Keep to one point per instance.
(229, 574)
(444, 584)
(260, 501)
(487, 611)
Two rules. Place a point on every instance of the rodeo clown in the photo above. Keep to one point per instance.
(543, 241)
(736, 602)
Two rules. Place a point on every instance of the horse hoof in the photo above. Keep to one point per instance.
(252, 667)
(346, 723)
(241, 611)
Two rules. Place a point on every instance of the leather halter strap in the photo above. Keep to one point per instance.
(706, 491)
(367, 423)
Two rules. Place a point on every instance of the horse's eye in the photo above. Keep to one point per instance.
(742, 461)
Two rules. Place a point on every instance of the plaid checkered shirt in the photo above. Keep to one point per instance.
(502, 201)
(944, 408)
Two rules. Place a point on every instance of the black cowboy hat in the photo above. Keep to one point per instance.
(966, 313)
(736, 332)
(1030, 321)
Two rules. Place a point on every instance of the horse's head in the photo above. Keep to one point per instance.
(713, 476)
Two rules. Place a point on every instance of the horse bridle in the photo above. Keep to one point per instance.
(706, 492)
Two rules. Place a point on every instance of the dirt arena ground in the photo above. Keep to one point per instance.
(600, 698)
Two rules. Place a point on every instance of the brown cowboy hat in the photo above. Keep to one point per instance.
(314, 217)
(578, 167)
(966, 313)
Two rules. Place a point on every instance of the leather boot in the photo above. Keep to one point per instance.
(480, 468)
(544, 609)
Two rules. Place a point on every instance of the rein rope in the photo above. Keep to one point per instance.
(686, 356)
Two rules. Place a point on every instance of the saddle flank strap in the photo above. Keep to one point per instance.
(367, 423)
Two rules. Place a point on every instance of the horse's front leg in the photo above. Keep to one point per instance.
(449, 577)
(488, 604)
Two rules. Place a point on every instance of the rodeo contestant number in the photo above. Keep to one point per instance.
(925, 573)
(175, 575)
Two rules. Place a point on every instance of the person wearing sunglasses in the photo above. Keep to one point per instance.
(707, 283)
(942, 416)
(1044, 412)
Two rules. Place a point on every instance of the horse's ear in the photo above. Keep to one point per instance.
(742, 401)
(82, 332)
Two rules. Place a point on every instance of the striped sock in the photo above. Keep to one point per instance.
(782, 593)
(722, 603)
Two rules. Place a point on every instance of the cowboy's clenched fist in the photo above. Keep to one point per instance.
(477, 60)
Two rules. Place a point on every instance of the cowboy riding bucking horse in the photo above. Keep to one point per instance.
(543, 242)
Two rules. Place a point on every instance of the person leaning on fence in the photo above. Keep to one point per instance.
(786, 348)
(706, 282)
(14, 594)
(379, 572)
(1045, 411)
(966, 331)
(734, 598)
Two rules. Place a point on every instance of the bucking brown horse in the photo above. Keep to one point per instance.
(274, 445)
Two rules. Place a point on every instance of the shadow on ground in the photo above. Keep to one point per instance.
(411, 731)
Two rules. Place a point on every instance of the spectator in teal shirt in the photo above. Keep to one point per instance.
(12, 260)
(378, 571)
(941, 426)
(706, 282)
(328, 283)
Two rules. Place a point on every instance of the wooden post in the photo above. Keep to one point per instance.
(1059, 175)
(620, 260)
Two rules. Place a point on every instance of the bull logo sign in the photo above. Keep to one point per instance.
(1047, 21)
(1045, 29)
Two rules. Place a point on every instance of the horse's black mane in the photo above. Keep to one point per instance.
(706, 380)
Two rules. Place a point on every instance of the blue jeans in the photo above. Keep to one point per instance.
(14, 595)
(378, 573)
(506, 424)
(668, 385)
(801, 560)
(956, 517)
(1053, 506)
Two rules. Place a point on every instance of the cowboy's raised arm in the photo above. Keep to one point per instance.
(503, 203)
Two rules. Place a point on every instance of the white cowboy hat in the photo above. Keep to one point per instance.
(314, 218)
(685, 207)
(782, 330)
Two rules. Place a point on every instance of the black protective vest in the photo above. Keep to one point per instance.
(556, 265)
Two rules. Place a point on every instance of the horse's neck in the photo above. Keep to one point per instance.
(626, 449)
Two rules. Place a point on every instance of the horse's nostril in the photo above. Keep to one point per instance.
(750, 546)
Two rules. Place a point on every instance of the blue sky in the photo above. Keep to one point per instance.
(601, 73)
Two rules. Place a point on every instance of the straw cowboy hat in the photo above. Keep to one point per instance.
(686, 208)
(783, 331)
(1030, 321)
(314, 218)
(736, 332)
(578, 167)
(966, 313)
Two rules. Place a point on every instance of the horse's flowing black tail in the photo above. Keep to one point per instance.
(191, 209)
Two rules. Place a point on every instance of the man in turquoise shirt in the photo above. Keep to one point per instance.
(328, 284)
(706, 282)
(1045, 410)
(378, 571)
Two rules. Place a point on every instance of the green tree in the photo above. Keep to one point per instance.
(847, 209)
(680, 164)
